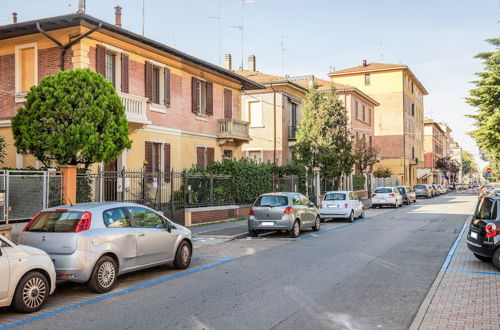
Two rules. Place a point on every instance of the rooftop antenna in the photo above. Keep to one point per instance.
(283, 50)
(382, 50)
(240, 27)
(143, 18)
(219, 18)
(81, 6)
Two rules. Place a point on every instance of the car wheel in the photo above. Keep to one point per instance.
(496, 258)
(362, 215)
(482, 258)
(351, 217)
(316, 224)
(103, 277)
(31, 293)
(183, 255)
(253, 233)
(295, 232)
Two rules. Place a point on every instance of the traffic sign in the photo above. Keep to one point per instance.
(488, 170)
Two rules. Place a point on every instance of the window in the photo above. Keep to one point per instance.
(356, 111)
(484, 209)
(204, 157)
(256, 156)
(412, 152)
(367, 79)
(255, 113)
(370, 141)
(364, 112)
(228, 154)
(157, 89)
(111, 68)
(335, 197)
(369, 115)
(412, 88)
(157, 157)
(270, 200)
(202, 97)
(413, 109)
(26, 67)
(293, 115)
(156, 85)
(296, 199)
(115, 218)
(228, 103)
(144, 218)
(56, 221)
(304, 200)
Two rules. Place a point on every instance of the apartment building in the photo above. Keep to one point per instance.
(182, 111)
(434, 147)
(398, 121)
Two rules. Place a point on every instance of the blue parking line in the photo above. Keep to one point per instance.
(333, 228)
(454, 247)
(113, 294)
(472, 272)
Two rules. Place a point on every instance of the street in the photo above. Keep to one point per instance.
(372, 274)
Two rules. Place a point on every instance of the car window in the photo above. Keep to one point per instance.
(335, 197)
(304, 200)
(4, 244)
(419, 186)
(144, 218)
(354, 196)
(484, 209)
(401, 190)
(271, 200)
(115, 218)
(296, 199)
(383, 190)
(56, 221)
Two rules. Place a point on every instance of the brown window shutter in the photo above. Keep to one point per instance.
(210, 99)
(166, 154)
(210, 156)
(149, 157)
(148, 80)
(228, 103)
(101, 60)
(194, 95)
(124, 72)
(166, 86)
(200, 157)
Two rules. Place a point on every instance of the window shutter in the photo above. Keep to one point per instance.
(101, 60)
(166, 86)
(194, 95)
(124, 73)
(148, 80)
(149, 157)
(166, 154)
(210, 156)
(228, 103)
(210, 99)
(200, 157)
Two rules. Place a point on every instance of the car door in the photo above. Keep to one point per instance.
(154, 242)
(357, 204)
(299, 208)
(122, 234)
(4, 271)
(309, 210)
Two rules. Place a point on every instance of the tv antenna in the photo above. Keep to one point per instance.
(81, 6)
(219, 18)
(381, 44)
(240, 27)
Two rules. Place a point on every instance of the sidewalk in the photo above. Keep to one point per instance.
(465, 295)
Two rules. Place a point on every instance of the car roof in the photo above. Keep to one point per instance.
(384, 187)
(92, 206)
(339, 191)
(281, 193)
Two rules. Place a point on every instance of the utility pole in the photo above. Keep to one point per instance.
(219, 18)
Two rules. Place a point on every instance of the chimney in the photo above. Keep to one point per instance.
(251, 63)
(228, 62)
(311, 81)
(14, 17)
(364, 63)
(118, 16)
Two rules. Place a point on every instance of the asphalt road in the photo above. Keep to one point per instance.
(371, 275)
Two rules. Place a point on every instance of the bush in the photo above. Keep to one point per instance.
(382, 172)
(358, 181)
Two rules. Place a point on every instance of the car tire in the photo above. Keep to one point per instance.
(183, 255)
(482, 258)
(253, 233)
(294, 233)
(496, 258)
(317, 224)
(31, 293)
(362, 215)
(103, 277)
(351, 217)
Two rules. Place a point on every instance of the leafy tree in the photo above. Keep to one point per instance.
(324, 138)
(468, 163)
(366, 156)
(382, 172)
(450, 167)
(72, 117)
(486, 98)
(3, 146)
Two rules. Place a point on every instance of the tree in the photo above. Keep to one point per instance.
(72, 117)
(3, 146)
(448, 166)
(324, 138)
(468, 163)
(382, 172)
(486, 98)
(366, 156)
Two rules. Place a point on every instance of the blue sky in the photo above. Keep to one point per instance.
(436, 38)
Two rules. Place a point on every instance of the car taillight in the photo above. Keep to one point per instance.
(321, 205)
(392, 195)
(84, 222)
(251, 212)
(346, 205)
(373, 195)
(32, 219)
(288, 211)
(491, 230)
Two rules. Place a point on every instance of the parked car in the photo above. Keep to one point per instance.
(442, 190)
(407, 193)
(27, 277)
(341, 204)
(483, 238)
(282, 211)
(435, 191)
(386, 196)
(423, 190)
(94, 243)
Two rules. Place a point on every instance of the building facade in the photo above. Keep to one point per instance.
(398, 121)
(434, 147)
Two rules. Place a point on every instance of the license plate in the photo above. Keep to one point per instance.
(473, 235)
(335, 205)
(267, 223)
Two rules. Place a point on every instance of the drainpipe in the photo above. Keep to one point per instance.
(404, 132)
(62, 47)
(274, 138)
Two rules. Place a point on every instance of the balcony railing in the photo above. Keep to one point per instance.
(292, 132)
(135, 108)
(233, 129)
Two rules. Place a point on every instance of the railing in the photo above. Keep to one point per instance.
(135, 108)
(234, 129)
(292, 132)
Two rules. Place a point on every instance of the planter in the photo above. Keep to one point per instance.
(6, 230)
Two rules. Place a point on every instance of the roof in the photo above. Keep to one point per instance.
(76, 19)
(267, 79)
(376, 67)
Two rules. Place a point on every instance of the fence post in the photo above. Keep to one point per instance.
(172, 194)
(6, 203)
(211, 189)
(45, 191)
(100, 178)
(123, 184)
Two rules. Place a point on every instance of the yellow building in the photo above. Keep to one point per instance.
(399, 134)
(182, 111)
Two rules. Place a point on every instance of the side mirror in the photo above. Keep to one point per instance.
(311, 204)
(167, 226)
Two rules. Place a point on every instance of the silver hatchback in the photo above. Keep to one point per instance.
(96, 242)
(282, 211)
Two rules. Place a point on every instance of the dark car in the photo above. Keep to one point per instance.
(407, 194)
(483, 238)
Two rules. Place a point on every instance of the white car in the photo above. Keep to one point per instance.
(341, 204)
(27, 276)
(386, 196)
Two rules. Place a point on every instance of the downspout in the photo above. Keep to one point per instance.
(404, 131)
(274, 138)
(62, 47)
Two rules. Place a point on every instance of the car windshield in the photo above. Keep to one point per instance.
(335, 197)
(485, 209)
(419, 186)
(272, 201)
(383, 190)
(401, 190)
(55, 222)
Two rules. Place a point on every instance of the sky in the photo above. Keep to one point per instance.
(437, 39)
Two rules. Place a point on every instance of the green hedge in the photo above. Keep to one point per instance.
(358, 181)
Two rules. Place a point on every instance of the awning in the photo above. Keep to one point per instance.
(423, 173)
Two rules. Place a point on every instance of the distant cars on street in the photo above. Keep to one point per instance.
(27, 277)
(93, 243)
(341, 204)
(423, 190)
(408, 194)
(386, 196)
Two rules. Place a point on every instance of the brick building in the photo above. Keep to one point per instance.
(434, 147)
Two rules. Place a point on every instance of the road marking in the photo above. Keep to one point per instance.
(454, 247)
(471, 272)
(113, 294)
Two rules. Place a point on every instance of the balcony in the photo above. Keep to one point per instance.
(292, 132)
(233, 130)
(135, 108)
